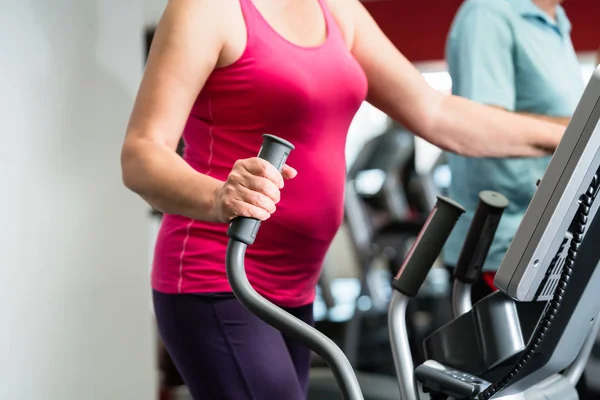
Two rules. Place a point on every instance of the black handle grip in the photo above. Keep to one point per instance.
(276, 151)
(427, 246)
(480, 236)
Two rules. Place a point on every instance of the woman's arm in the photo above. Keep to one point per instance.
(189, 43)
(450, 122)
(564, 121)
(185, 50)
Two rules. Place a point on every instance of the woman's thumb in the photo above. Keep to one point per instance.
(288, 172)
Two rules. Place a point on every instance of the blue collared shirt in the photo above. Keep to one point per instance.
(510, 54)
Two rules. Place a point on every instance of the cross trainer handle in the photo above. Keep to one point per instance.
(427, 247)
(480, 236)
(276, 151)
(242, 233)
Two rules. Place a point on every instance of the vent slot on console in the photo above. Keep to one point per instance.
(552, 277)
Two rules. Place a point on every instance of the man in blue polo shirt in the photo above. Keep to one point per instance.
(516, 55)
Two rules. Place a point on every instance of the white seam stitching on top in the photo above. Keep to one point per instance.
(212, 137)
(187, 234)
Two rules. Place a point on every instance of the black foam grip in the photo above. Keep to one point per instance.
(480, 236)
(276, 151)
(427, 247)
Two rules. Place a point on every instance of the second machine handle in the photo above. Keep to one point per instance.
(413, 272)
(475, 249)
(480, 236)
(427, 246)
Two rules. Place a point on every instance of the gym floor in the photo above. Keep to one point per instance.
(182, 393)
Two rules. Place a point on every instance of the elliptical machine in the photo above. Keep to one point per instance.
(529, 340)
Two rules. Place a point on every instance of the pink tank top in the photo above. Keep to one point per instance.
(307, 95)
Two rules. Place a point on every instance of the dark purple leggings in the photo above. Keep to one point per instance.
(224, 352)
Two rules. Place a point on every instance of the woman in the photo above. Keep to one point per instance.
(223, 73)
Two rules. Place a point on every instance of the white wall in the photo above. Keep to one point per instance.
(74, 290)
(153, 9)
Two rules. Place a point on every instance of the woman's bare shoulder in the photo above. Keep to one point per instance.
(202, 11)
(206, 25)
(188, 17)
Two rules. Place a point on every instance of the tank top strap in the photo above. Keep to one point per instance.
(250, 13)
(329, 19)
(334, 32)
(256, 26)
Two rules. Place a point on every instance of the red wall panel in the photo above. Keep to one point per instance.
(419, 27)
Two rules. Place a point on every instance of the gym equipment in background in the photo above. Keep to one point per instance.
(528, 340)
(386, 204)
(379, 171)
